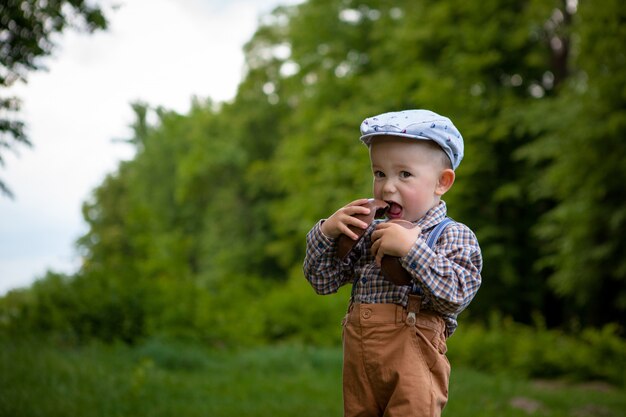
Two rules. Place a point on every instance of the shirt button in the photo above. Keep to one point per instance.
(363, 280)
(320, 245)
(366, 314)
(413, 265)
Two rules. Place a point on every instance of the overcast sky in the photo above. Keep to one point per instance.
(162, 52)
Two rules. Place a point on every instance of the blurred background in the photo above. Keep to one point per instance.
(152, 239)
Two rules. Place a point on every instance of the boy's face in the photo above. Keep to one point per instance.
(407, 175)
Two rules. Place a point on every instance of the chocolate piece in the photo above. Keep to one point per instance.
(378, 208)
(391, 266)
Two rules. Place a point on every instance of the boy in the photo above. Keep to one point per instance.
(394, 336)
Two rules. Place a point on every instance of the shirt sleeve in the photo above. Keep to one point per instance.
(322, 268)
(449, 275)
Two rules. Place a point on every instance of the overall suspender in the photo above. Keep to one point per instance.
(437, 231)
(414, 303)
(431, 241)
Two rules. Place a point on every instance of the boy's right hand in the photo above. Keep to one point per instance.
(338, 223)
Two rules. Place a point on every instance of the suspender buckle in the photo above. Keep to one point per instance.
(413, 308)
(410, 319)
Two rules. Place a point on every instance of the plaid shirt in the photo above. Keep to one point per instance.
(448, 276)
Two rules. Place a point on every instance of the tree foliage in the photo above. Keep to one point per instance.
(578, 153)
(27, 30)
(206, 224)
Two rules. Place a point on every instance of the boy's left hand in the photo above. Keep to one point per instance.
(393, 239)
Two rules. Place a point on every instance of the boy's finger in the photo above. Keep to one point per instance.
(377, 251)
(353, 221)
(346, 231)
(379, 231)
(359, 202)
(383, 226)
(379, 259)
(352, 210)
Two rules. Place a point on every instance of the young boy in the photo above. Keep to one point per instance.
(394, 336)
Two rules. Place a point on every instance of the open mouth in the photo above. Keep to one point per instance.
(394, 210)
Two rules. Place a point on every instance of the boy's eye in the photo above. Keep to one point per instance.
(379, 174)
(405, 174)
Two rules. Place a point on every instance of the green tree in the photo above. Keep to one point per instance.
(578, 158)
(27, 28)
(286, 153)
(206, 224)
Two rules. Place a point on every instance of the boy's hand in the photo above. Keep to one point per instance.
(393, 239)
(337, 224)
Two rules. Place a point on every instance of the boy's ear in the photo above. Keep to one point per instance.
(446, 179)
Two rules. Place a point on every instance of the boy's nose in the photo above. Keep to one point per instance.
(389, 187)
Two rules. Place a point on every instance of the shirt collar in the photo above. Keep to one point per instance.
(434, 216)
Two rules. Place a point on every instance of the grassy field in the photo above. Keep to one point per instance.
(40, 378)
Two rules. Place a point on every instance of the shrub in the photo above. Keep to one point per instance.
(294, 312)
(537, 352)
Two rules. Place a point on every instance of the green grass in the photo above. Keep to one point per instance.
(478, 394)
(43, 378)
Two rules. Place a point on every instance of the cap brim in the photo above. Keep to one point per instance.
(367, 139)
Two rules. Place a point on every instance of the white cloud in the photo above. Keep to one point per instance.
(162, 52)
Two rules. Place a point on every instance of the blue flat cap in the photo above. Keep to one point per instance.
(416, 124)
